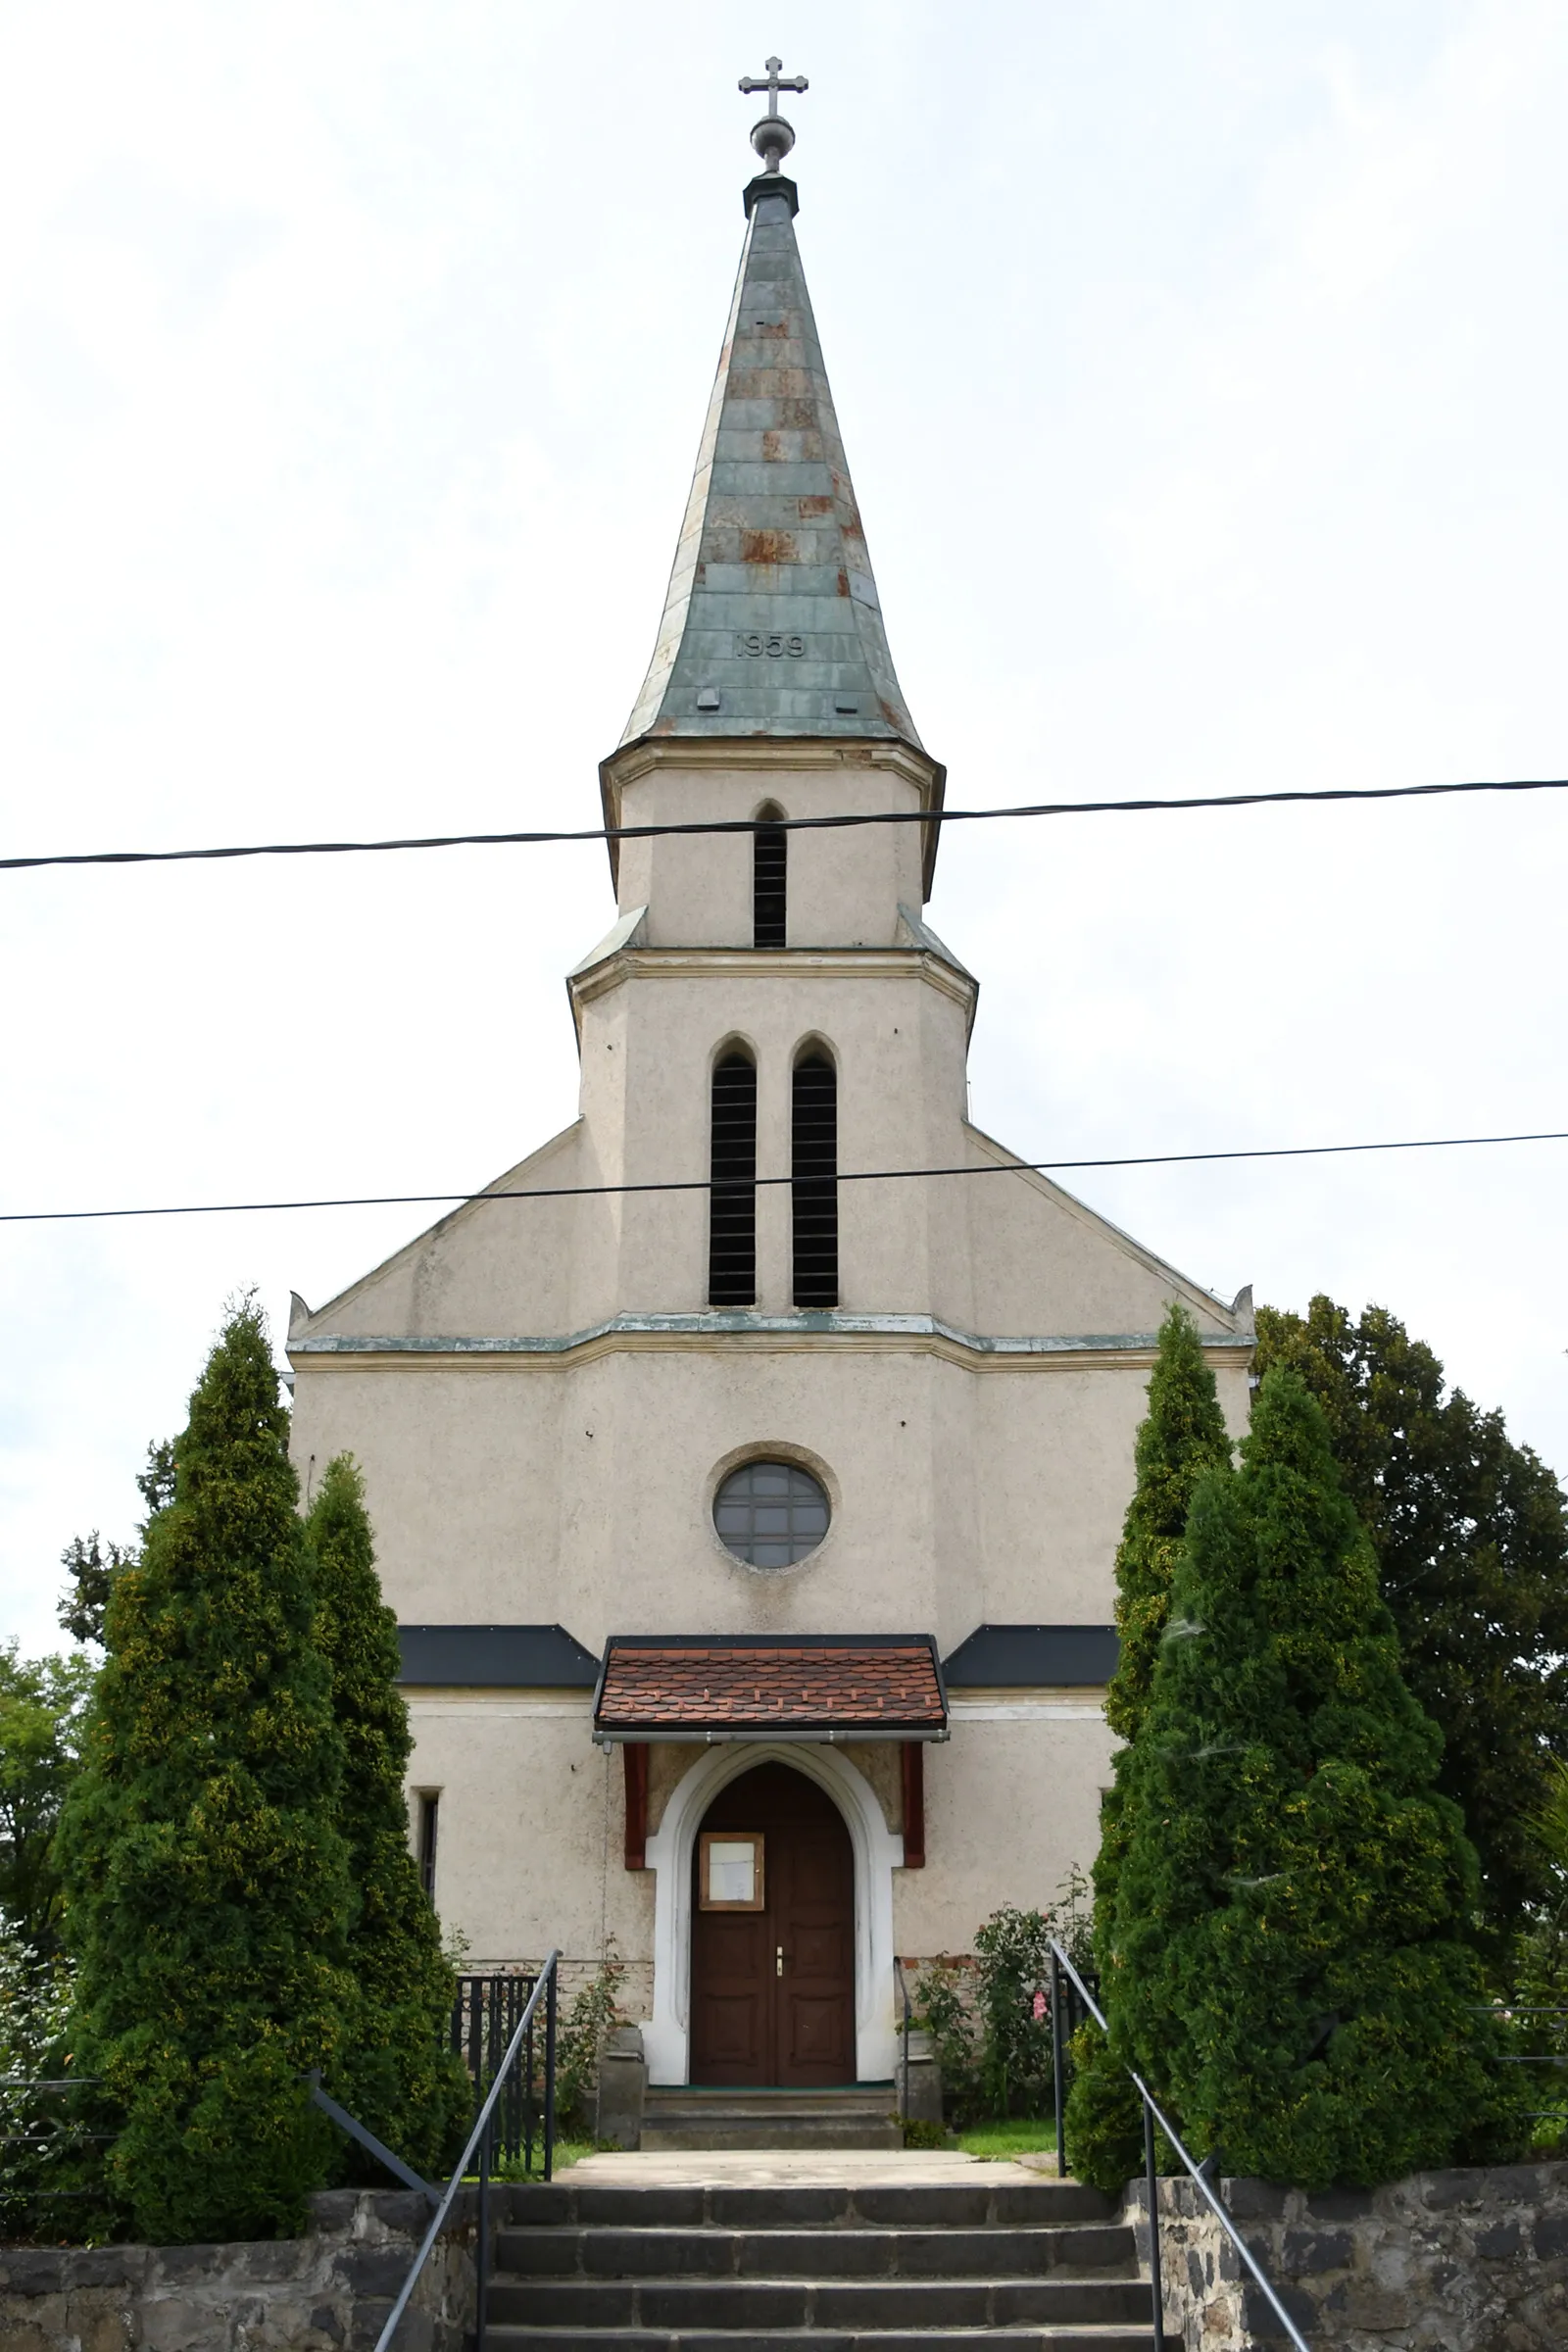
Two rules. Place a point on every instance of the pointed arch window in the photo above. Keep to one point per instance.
(770, 877)
(732, 1202)
(813, 1172)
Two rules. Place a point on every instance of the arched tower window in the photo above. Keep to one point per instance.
(769, 866)
(732, 1202)
(814, 1187)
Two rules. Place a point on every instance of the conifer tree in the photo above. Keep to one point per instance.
(1288, 1947)
(1182, 1437)
(396, 2074)
(206, 1883)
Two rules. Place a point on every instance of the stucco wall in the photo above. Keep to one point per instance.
(844, 887)
(531, 1850)
(507, 1491)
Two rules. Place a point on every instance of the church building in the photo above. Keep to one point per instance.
(749, 1509)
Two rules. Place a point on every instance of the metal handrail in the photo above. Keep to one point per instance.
(480, 2142)
(1153, 2114)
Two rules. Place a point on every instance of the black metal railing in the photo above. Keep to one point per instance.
(33, 2141)
(481, 2148)
(1509, 2015)
(485, 2015)
(1063, 1975)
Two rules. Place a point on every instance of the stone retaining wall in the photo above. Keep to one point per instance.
(1470, 2260)
(327, 2292)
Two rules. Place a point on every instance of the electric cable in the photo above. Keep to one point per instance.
(785, 825)
(705, 1184)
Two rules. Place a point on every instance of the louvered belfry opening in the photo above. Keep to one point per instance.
(732, 1203)
(813, 1189)
(769, 871)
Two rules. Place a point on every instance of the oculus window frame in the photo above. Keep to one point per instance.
(771, 1514)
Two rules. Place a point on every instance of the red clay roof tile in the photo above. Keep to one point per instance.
(848, 1686)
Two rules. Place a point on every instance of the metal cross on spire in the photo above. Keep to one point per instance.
(772, 137)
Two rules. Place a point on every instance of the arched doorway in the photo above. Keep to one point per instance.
(773, 1985)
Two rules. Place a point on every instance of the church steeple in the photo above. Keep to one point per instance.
(771, 625)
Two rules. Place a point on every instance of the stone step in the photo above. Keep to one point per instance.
(606, 2251)
(1090, 2338)
(659, 2137)
(860, 2116)
(876, 2098)
(801, 2205)
(768, 2306)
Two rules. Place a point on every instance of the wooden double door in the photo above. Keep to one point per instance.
(772, 1992)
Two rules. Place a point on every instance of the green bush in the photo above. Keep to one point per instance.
(580, 2038)
(1012, 1974)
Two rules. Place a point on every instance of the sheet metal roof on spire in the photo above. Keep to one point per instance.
(771, 625)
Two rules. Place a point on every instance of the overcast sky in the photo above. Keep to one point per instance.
(1202, 372)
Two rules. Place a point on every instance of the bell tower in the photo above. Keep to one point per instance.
(772, 687)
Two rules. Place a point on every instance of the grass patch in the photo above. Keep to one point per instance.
(1019, 2135)
(567, 2151)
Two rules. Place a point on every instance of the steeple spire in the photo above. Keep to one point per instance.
(771, 624)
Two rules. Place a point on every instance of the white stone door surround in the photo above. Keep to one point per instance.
(877, 1852)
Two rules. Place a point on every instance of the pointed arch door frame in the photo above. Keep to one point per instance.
(878, 1852)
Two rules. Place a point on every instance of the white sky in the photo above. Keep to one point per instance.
(1202, 371)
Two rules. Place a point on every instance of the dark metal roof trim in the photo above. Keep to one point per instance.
(495, 1657)
(1023, 1657)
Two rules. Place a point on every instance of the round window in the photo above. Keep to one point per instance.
(771, 1514)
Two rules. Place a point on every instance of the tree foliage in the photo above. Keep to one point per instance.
(208, 1890)
(92, 1565)
(1286, 1957)
(395, 2073)
(1471, 1537)
(42, 1703)
(1182, 1437)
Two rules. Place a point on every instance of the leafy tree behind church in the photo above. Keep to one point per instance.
(92, 1565)
(42, 1702)
(207, 1888)
(395, 2073)
(1286, 1957)
(1471, 1537)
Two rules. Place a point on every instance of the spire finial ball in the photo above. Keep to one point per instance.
(773, 138)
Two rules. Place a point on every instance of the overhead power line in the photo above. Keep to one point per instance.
(788, 824)
(703, 1184)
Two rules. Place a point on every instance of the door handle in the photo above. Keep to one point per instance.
(778, 1961)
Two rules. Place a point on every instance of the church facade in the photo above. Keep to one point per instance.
(751, 1533)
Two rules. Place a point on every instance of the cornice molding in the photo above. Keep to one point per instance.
(637, 963)
(834, 1333)
(764, 754)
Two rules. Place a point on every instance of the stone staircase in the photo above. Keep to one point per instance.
(862, 2117)
(796, 2268)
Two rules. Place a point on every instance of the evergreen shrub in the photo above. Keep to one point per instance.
(1181, 1441)
(208, 1896)
(395, 2073)
(1286, 1959)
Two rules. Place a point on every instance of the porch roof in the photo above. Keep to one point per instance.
(817, 1687)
